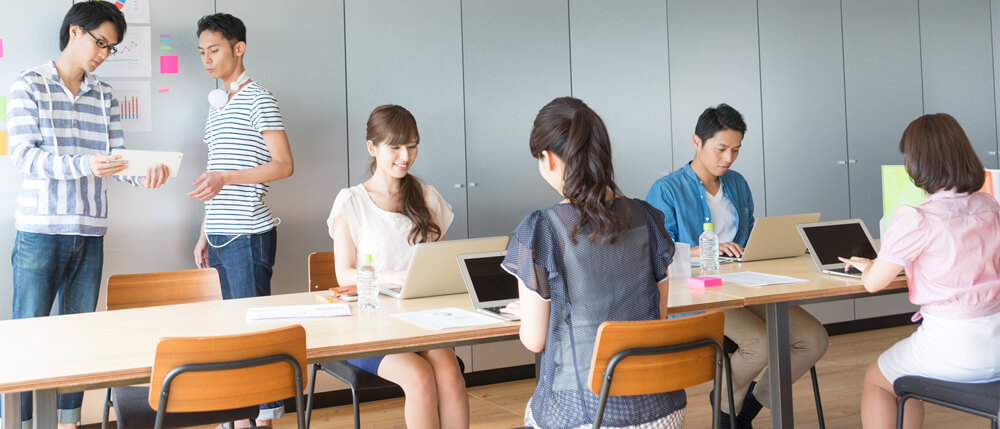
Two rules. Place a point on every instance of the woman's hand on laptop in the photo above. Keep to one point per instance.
(392, 277)
(512, 308)
(730, 249)
(862, 264)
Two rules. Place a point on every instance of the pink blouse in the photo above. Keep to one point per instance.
(950, 247)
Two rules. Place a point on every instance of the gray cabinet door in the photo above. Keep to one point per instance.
(714, 58)
(956, 46)
(305, 71)
(882, 77)
(410, 53)
(802, 92)
(619, 53)
(516, 60)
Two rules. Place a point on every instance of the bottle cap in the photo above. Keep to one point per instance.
(367, 258)
(708, 226)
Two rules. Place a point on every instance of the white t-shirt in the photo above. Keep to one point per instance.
(384, 234)
(724, 218)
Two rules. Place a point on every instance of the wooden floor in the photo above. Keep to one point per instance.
(840, 375)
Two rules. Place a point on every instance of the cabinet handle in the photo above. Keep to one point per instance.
(993, 153)
(841, 162)
(852, 161)
(459, 186)
(472, 184)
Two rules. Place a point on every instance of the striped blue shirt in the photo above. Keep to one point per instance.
(51, 136)
(235, 142)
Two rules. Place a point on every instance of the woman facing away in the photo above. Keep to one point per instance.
(948, 246)
(386, 216)
(595, 256)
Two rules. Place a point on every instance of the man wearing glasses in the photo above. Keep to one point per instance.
(62, 123)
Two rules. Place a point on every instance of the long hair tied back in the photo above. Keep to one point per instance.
(394, 126)
(569, 129)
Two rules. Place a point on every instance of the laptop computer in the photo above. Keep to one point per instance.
(775, 237)
(490, 287)
(433, 271)
(840, 238)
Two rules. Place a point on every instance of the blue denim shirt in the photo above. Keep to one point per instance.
(681, 198)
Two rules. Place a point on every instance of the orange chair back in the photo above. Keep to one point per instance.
(230, 388)
(155, 289)
(640, 375)
(322, 272)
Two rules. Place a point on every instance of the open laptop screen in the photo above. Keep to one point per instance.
(489, 280)
(846, 240)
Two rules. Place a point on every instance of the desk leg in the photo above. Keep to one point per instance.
(11, 411)
(779, 363)
(46, 416)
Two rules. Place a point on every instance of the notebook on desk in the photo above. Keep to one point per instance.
(490, 287)
(775, 237)
(827, 241)
(433, 271)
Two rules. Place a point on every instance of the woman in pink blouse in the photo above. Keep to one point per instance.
(950, 250)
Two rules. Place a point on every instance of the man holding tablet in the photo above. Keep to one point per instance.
(63, 123)
(707, 190)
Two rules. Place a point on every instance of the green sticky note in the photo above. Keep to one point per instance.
(3, 109)
(898, 189)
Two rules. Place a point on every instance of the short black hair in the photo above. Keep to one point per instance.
(718, 118)
(230, 27)
(90, 15)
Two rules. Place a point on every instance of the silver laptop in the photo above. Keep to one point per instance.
(840, 238)
(490, 287)
(775, 237)
(433, 271)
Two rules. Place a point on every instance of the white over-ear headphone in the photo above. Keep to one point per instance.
(218, 98)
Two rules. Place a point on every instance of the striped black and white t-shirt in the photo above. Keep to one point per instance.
(52, 134)
(235, 142)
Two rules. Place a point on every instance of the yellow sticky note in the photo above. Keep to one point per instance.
(3, 142)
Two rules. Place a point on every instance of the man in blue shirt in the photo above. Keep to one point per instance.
(707, 190)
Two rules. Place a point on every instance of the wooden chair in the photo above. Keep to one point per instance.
(156, 289)
(981, 399)
(322, 274)
(207, 380)
(657, 356)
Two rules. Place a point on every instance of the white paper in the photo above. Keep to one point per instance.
(751, 278)
(134, 97)
(298, 311)
(133, 58)
(135, 11)
(444, 318)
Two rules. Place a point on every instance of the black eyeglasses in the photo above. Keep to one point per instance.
(101, 43)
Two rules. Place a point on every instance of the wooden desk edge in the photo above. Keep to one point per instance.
(858, 291)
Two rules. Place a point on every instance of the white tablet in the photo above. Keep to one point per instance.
(140, 161)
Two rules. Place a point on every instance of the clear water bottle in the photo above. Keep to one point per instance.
(708, 249)
(367, 284)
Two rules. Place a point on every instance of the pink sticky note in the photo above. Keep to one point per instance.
(164, 88)
(1, 48)
(168, 64)
(702, 282)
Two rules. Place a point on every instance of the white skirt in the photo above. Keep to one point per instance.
(959, 350)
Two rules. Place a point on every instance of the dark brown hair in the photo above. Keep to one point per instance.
(569, 129)
(394, 126)
(938, 155)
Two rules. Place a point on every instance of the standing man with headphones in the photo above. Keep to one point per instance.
(247, 147)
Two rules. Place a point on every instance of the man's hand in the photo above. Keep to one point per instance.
(107, 165)
(156, 177)
(201, 252)
(730, 249)
(208, 185)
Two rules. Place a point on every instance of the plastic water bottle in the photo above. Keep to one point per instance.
(367, 284)
(708, 249)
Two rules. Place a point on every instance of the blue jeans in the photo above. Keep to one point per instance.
(46, 266)
(245, 266)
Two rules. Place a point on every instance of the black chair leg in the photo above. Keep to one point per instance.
(312, 391)
(107, 409)
(357, 407)
(819, 403)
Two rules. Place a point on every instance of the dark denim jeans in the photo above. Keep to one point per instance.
(245, 266)
(46, 266)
